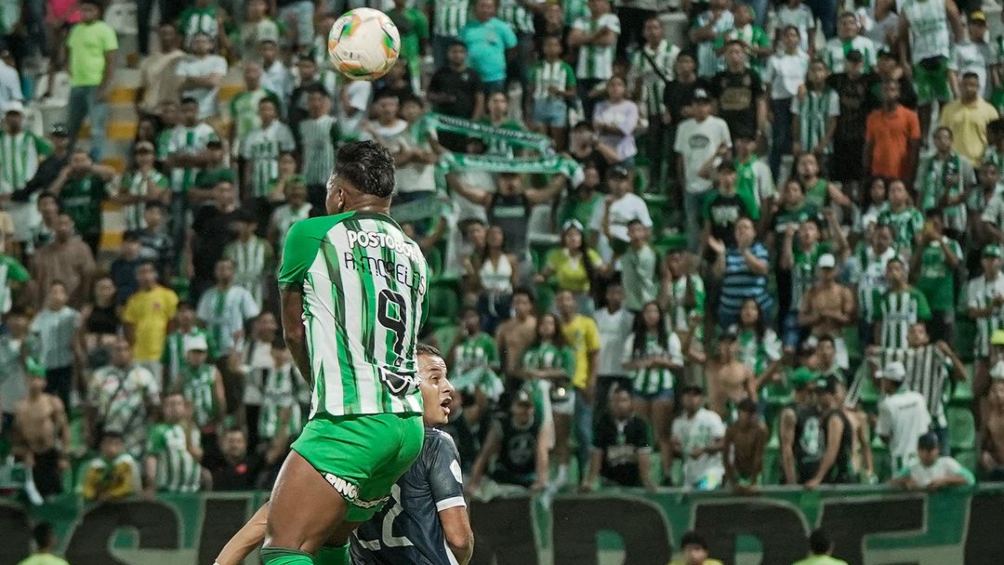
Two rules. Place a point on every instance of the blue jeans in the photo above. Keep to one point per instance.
(826, 11)
(583, 429)
(84, 104)
(692, 204)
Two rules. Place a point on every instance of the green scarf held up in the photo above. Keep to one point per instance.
(516, 138)
(552, 165)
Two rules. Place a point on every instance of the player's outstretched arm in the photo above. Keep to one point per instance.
(246, 540)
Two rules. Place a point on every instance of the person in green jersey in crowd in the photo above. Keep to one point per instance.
(906, 220)
(475, 359)
(45, 542)
(202, 385)
(281, 417)
(933, 266)
(173, 450)
(898, 308)
(353, 295)
(81, 187)
(185, 325)
(820, 548)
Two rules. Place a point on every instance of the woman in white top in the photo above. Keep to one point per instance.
(492, 273)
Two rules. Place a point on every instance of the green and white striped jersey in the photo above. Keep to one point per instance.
(262, 147)
(364, 286)
(177, 470)
(575, 9)
(449, 17)
(550, 356)
(317, 141)
(928, 29)
(938, 177)
(278, 393)
(814, 110)
(596, 61)
(11, 270)
(198, 385)
(513, 13)
(558, 74)
(136, 183)
(285, 216)
(980, 293)
(653, 380)
(897, 311)
(174, 354)
(663, 57)
(187, 141)
(20, 154)
(225, 311)
(251, 259)
(906, 224)
(836, 50)
(244, 112)
(868, 273)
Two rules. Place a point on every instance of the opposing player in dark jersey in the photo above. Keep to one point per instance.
(426, 521)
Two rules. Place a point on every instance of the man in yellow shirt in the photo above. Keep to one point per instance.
(583, 337)
(694, 551)
(147, 315)
(45, 541)
(968, 117)
(114, 474)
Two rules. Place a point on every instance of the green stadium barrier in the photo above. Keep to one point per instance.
(868, 524)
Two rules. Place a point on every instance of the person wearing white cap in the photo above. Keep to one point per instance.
(202, 386)
(903, 416)
(828, 307)
(21, 151)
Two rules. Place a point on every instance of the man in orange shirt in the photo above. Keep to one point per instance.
(892, 138)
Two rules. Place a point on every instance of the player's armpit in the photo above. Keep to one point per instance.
(246, 540)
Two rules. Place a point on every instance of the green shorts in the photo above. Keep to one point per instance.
(930, 79)
(362, 456)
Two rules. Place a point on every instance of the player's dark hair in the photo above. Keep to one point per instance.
(367, 166)
(42, 534)
(693, 538)
(426, 349)
(820, 542)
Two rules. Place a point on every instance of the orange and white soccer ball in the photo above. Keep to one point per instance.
(364, 44)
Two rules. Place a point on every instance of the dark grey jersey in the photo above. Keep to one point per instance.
(407, 530)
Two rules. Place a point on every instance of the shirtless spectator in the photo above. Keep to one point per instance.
(515, 334)
(992, 456)
(41, 433)
(745, 441)
(828, 307)
(862, 459)
(729, 380)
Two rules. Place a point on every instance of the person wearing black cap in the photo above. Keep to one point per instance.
(932, 471)
(724, 206)
(699, 139)
(836, 437)
(610, 221)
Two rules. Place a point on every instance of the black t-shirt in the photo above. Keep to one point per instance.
(678, 95)
(212, 234)
(810, 444)
(511, 213)
(461, 85)
(468, 437)
(242, 475)
(738, 94)
(621, 442)
(722, 212)
(854, 106)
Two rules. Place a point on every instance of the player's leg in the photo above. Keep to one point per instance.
(245, 540)
(304, 509)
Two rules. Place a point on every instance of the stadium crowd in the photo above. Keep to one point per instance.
(768, 254)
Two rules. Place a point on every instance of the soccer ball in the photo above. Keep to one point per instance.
(364, 44)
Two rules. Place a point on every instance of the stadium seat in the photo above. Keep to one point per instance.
(961, 428)
(962, 391)
(968, 458)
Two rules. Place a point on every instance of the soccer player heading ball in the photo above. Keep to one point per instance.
(353, 290)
